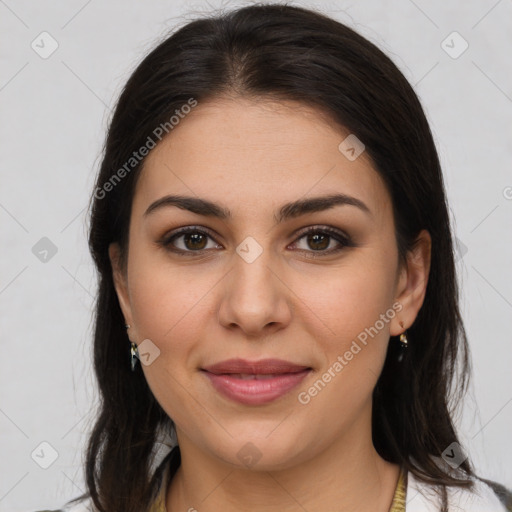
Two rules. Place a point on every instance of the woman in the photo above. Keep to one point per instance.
(277, 325)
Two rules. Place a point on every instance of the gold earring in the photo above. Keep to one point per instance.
(403, 336)
(403, 344)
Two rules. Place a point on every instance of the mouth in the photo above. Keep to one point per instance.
(255, 382)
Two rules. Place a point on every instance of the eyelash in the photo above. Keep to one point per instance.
(341, 238)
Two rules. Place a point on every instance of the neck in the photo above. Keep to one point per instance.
(347, 476)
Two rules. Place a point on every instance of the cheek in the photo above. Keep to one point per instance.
(355, 307)
(353, 353)
(348, 299)
(165, 297)
(169, 308)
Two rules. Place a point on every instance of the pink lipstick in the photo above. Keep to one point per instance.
(255, 382)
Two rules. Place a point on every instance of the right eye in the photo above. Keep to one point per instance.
(192, 240)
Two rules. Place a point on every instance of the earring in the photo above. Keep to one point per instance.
(403, 344)
(134, 352)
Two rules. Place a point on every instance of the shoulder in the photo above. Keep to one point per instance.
(485, 496)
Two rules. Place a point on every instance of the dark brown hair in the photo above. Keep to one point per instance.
(282, 52)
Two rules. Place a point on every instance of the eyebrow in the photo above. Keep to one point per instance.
(287, 211)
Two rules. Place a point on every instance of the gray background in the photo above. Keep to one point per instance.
(54, 113)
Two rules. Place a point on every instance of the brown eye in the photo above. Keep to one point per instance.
(318, 241)
(189, 240)
(194, 241)
(323, 241)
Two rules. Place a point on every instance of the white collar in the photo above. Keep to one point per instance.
(422, 497)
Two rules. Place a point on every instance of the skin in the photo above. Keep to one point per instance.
(252, 157)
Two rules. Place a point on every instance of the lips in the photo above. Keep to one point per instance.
(261, 367)
(255, 382)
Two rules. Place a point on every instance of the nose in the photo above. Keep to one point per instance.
(255, 298)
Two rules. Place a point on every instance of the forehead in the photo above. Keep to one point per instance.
(259, 153)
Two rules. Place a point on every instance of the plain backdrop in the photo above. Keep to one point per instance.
(54, 113)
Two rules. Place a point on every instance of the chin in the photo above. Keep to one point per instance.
(261, 453)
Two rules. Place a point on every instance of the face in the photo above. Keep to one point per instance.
(316, 285)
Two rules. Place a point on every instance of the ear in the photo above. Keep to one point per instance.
(412, 283)
(120, 282)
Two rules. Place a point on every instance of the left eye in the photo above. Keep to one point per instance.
(318, 240)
